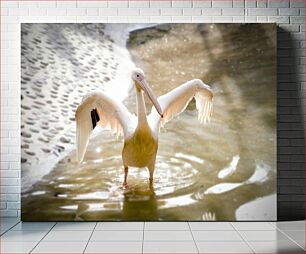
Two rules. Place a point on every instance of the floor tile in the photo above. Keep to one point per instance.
(169, 247)
(120, 226)
(211, 226)
(23, 236)
(263, 235)
(291, 225)
(17, 247)
(33, 226)
(166, 226)
(63, 226)
(296, 235)
(253, 226)
(69, 236)
(276, 247)
(114, 247)
(216, 236)
(223, 247)
(167, 236)
(106, 236)
(60, 247)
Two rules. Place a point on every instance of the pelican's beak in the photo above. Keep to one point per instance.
(145, 87)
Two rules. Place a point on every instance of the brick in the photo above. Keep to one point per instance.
(139, 19)
(239, 19)
(76, 12)
(250, 19)
(2, 205)
(223, 19)
(10, 189)
(160, 4)
(139, 4)
(4, 11)
(288, 11)
(279, 20)
(9, 213)
(56, 12)
(297, 19)
(13, 205)
(262, 12)
(128, 12)
(278, 3)
(108, 12)
(9, 181)
(9, 173)
(47, 4)
(192, 11)
(211, 12)
(202, 19)
(182, 19)
(9, 197)
(290, 27)
(233, 12)
(150, 12)
(66, 4)
(222, 4)
(238, 3)
(182, 3)
(172, 11)
(118, 4)
(38, 11)
(261, 19)
(92, 12)
(160, 19)
(202, 3)
(18, 12)
(262, 3)
(91, 4)
(117, 19)
(297, 3)
(250, 3)
(290, 174)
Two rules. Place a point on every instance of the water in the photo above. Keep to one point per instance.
(203, 172)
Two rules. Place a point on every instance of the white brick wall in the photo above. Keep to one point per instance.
(289, 13)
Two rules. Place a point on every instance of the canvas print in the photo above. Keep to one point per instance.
(148, 122)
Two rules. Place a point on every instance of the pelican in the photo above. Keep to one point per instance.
(140, 132)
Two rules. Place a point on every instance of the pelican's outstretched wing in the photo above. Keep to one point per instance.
(99, 108)
(176, 101)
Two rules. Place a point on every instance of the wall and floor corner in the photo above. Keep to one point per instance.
(288, 14)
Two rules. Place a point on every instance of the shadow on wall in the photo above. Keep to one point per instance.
(290, 126)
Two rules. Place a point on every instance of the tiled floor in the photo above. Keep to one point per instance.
(152, 237)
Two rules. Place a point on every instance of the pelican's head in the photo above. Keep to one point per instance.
(141, 84)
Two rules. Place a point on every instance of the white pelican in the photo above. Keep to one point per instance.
(140, 136)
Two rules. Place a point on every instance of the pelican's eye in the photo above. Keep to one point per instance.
(137, 76)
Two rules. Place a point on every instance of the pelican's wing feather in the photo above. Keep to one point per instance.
(176, 101)
(99, 108)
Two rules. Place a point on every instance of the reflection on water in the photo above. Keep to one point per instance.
(203, 172)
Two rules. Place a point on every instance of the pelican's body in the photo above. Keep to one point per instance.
(141, 132)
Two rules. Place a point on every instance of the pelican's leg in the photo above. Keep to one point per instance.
(151, 171)
(126, 170)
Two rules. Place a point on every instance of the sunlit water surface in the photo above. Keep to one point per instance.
(203, 172)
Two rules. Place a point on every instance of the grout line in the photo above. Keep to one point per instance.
(10, 228)
(90, 237)
(243, 238)
(42, 238)
(193, 238)
(143, 232)
(283, 232)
